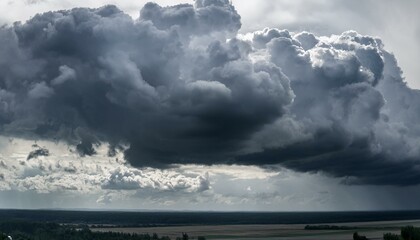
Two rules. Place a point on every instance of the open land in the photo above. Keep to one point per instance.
(373, 230)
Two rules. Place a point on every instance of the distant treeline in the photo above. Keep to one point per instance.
(407, 233)
(23, 230)
(148, 219)
(329, 227)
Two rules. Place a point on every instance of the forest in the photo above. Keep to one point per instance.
(22, 230)
(25, 230)
(407, 233)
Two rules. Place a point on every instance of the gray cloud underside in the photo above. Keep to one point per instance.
(179, 85)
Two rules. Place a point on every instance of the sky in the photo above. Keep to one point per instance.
(210, 105)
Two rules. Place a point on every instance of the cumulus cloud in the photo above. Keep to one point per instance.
(130, 179)
(344, 109)
(179, 85)
(104, 199)
(66, 73)
(58, 170)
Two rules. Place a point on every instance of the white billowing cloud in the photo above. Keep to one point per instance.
(21, 10)
(104, 199)
(342, 106)
(61, 171)
(235, 172)
(325, 17)
(130, 179)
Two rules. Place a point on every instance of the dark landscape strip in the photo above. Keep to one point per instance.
(150, 219)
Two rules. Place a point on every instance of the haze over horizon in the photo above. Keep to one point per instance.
(208, 105)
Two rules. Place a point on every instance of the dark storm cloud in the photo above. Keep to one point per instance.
(358, 114)
(38, 152)
(179, 85)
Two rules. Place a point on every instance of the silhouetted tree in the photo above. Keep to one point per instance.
(356, 236)
(185, 236)
(390, 236)
(410, 233)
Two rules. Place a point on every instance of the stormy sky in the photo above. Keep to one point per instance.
(209, 105)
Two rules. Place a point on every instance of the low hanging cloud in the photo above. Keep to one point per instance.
(57, 171)
(179, 85)
(130, 179)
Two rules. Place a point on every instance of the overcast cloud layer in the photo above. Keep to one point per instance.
(179, 85)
